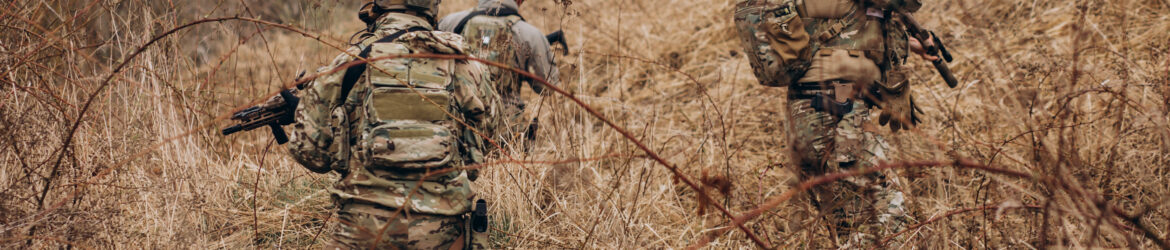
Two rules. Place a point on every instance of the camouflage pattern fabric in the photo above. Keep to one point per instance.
(751, 16)
(859, 47)
(326, 124)
(365, 227)
(859, 208)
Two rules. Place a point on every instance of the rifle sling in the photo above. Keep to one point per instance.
(353, 73)
(498, 12)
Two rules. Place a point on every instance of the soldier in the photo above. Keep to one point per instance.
(387, 125)
(831, 54)
(496, 31)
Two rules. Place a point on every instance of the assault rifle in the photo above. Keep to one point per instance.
(936, 49)
(558, 37)
(272, 115)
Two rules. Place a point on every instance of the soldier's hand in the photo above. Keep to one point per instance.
(918, 48)
(900, 113)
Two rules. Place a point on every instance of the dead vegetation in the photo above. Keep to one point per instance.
(1056, 137)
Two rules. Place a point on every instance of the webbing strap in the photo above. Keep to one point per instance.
(835, 26)
(498, 12)
(353, 73)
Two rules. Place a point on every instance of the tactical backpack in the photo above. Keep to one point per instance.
(775, 40)
(404, 116)
(488, 35)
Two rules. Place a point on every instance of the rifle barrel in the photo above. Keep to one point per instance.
(945, 72)
(233, 129)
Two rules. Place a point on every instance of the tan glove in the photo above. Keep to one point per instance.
(900, 113)
(898, 108)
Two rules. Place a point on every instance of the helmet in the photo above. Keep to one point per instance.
(426, 7)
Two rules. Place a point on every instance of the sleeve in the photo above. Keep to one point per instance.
(319, 119)
(449, 22)
(470, 92)
(469, 75)
(536, 55)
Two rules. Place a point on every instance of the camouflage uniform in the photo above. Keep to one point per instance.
(848, 42)
(332, 133)
(530, 51)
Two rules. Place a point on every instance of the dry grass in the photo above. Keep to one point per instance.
(1073, 93)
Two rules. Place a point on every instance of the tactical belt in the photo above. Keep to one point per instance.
(822, 96)
(806, 90)
(353, 73)
(498, 12)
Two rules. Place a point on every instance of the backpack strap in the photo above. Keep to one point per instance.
(832, 27)
(498, 12)
(353, 73)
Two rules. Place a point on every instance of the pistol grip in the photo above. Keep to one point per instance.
(278, 132)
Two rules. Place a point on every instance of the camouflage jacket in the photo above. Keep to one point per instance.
(319, 140)
(847, 38)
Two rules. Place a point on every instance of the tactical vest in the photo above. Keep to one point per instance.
(488, 35)
(781, 37)
(855, 32)
(404, 114)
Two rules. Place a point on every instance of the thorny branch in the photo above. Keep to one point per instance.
(106, 82)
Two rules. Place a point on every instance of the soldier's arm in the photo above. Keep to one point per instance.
(536, 54)
(469, 75)
(312, 135)
(449, 22)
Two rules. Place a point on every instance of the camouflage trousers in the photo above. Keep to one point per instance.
(858, 210)
(366, 226)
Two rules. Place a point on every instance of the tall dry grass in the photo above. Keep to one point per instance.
(1073, 94)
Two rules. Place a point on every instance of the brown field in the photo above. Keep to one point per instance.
(1057, 136)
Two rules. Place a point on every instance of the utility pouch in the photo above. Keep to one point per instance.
(842, 92)
(776, 40)
(476, 228)
(341, 140)
(405, 123)
(479, 217)
(787, 35)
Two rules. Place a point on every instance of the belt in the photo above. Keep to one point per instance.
(823, 96)
(808, 90)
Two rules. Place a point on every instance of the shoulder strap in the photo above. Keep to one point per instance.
(354, 72)
(830, 28)
(501, 11)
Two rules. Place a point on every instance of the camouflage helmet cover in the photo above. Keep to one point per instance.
(426, 7)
